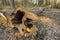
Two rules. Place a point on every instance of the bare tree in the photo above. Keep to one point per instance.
(4, 3)
(11, 3)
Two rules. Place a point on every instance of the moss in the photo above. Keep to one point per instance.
(57, 6)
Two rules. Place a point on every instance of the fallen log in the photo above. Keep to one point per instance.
(22, 19)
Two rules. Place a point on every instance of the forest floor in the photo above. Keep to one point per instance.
(48, 26)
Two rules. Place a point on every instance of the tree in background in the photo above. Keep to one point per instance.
(6, 3)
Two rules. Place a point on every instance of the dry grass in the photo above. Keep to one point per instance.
(48, 21)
